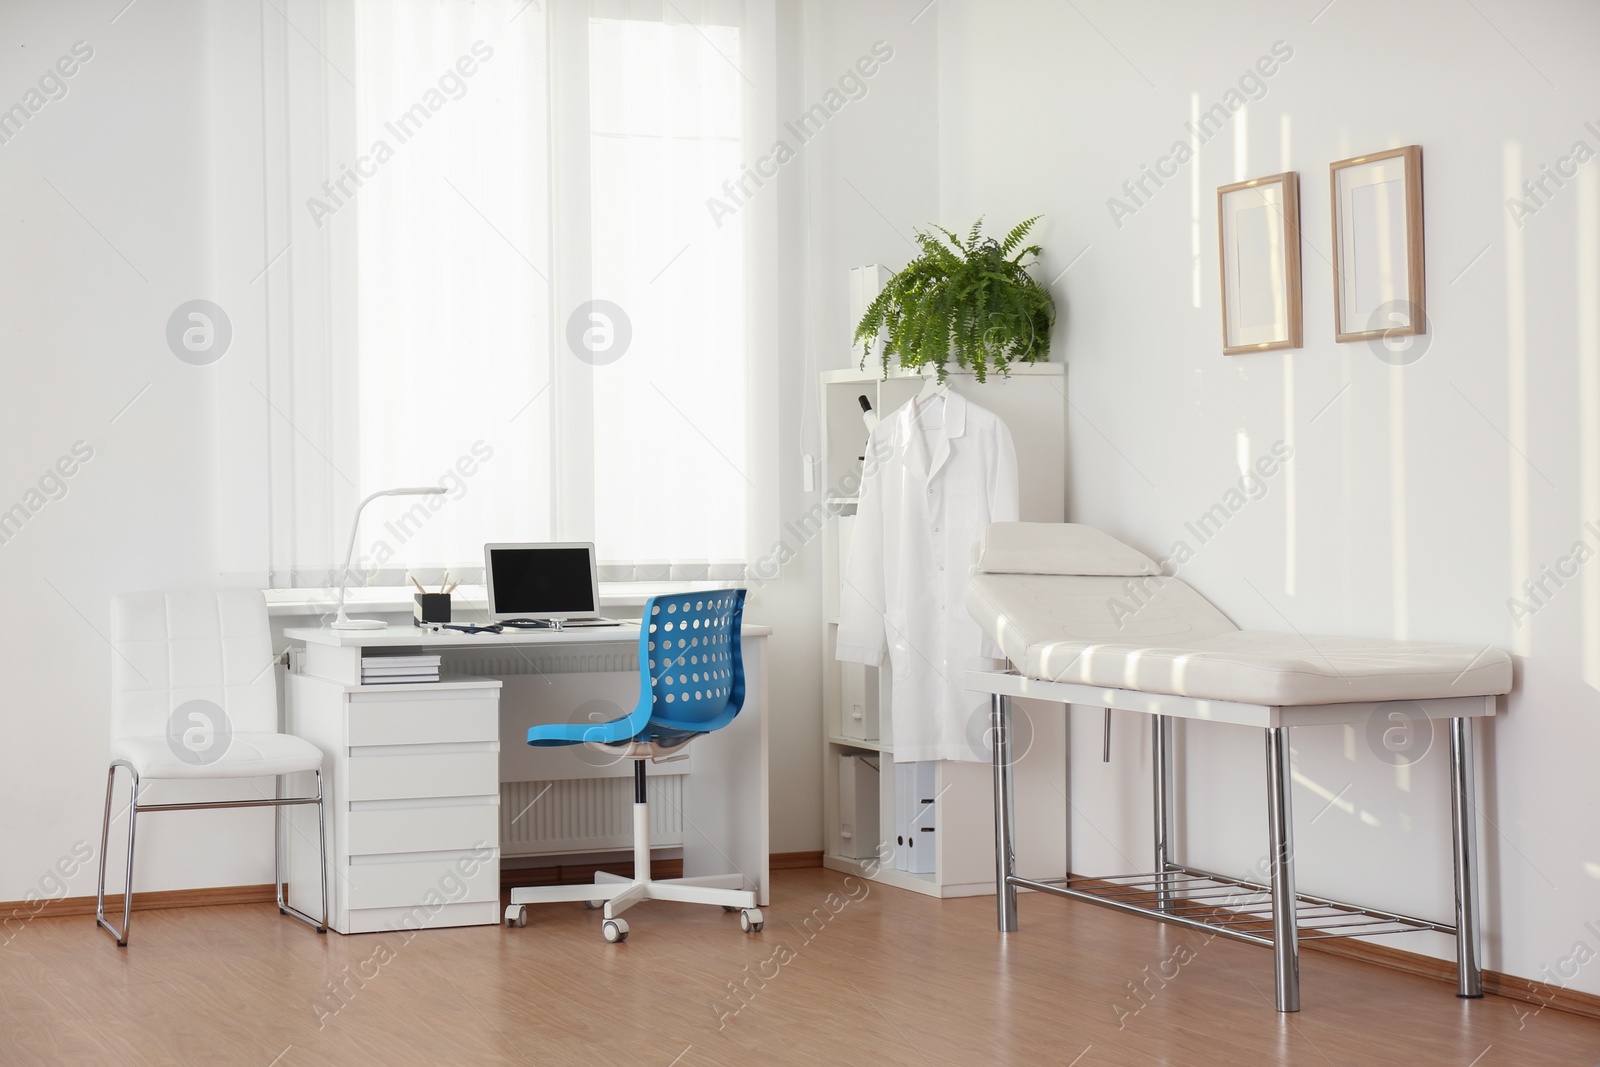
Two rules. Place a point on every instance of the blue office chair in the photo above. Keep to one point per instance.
(691, 682)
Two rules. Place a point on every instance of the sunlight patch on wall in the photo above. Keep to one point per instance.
(1194, 196)
(1349, 503)
(1241, 144)
(1588, 239)
(1399, 559)
(1516, 395)
(1289, 532)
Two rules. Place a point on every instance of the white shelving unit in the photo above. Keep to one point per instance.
(1033, 403)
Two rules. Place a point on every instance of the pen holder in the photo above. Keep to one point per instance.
(431, 607)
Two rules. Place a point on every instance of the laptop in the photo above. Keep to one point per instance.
(554, 584)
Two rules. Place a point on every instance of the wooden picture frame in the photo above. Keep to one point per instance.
(1378, 279)
(1258, 243)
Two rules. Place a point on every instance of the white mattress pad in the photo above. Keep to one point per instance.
(1155, 634)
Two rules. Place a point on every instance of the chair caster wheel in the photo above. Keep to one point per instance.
(615, 931)
(516, 916)
(282, 912)
(751, 920)
(594, 905)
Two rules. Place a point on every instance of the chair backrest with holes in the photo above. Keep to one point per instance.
(690, 653)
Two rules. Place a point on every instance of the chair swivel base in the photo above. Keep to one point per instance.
(617, 894)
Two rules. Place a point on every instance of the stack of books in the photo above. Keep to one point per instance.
(378, 668)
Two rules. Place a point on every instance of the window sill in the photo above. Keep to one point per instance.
(613, 595)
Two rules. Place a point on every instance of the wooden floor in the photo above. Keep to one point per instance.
(845, 973)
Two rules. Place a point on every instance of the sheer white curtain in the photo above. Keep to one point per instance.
(670, 458)
(527, 299)
(452, 266)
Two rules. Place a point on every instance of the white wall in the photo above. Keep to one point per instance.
(124, 198)
(1420, 496)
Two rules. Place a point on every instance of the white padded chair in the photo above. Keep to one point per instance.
(195, 697)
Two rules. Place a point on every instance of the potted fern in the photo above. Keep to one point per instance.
(972, 299)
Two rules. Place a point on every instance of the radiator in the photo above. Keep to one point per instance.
(512, 660)
(586, 814)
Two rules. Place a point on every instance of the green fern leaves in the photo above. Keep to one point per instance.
(971, 298)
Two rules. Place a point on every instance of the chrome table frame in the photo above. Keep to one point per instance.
(1271, 914)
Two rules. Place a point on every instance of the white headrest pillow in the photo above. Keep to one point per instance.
(1058, 548)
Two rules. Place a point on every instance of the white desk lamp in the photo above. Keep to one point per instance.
(342, 622)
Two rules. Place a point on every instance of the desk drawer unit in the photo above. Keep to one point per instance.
(408, 884)
(413, 787)
(389, 831)
(429, 721)
(416, 776)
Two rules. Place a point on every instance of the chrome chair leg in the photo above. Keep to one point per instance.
(322, 847)
(277, 845)
(127, 885)
(105, 840)
(105, 834)
(284, 907)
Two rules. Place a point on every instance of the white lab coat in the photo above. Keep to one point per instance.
(937, 472)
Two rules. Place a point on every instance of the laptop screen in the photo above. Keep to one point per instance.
(541, 581)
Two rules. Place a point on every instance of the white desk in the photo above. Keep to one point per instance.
(421, 780)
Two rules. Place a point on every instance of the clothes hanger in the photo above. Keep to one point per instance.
(931, 387)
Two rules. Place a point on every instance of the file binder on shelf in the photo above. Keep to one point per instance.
(916, 816)
(904, 775)
(858, 806)
(921, 831)
(858, 702)
(846, 525)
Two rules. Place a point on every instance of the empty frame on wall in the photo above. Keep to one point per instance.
(1258, 230)
(1377, 245)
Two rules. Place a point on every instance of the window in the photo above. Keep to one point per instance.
(528, 302)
